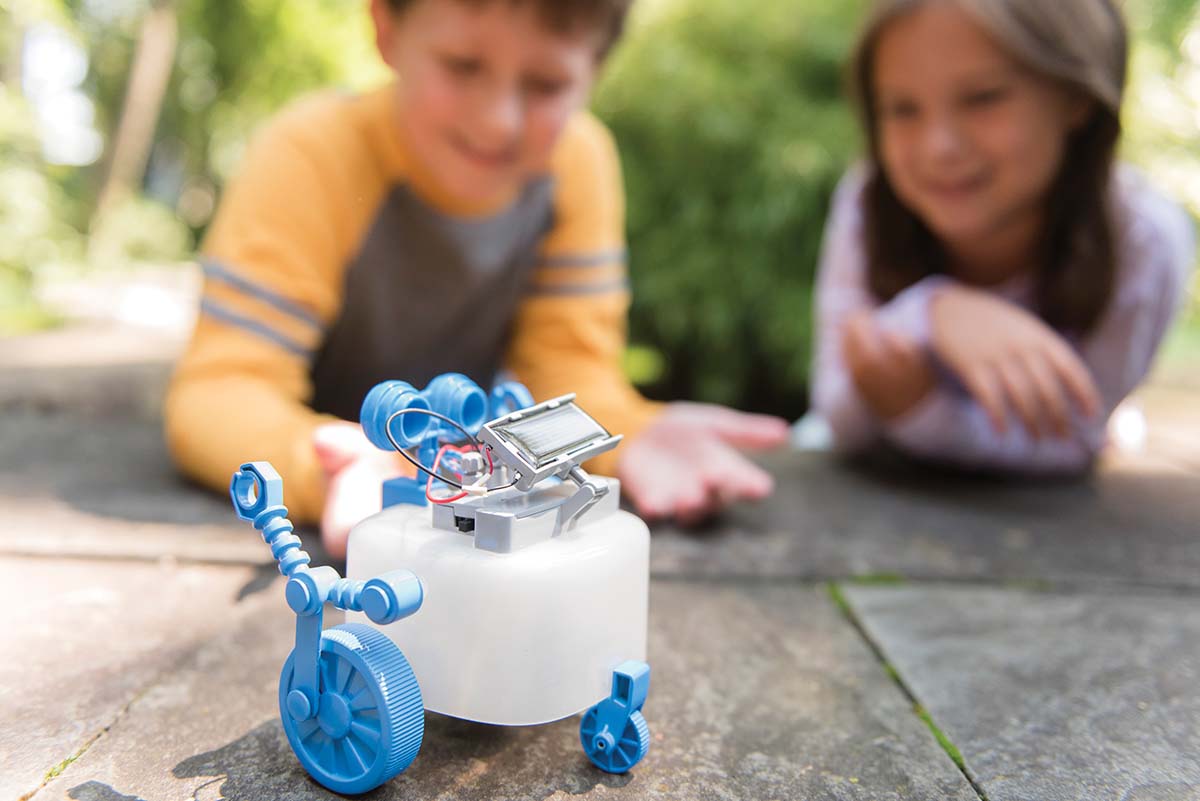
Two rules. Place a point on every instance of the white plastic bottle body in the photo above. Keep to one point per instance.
(515, 638)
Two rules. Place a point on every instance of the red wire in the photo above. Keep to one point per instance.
(437, 461)
(429, 482)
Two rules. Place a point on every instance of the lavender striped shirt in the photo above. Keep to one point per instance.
(1155, 251)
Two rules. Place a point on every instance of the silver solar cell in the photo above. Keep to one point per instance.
(545, 436)
(547, 439)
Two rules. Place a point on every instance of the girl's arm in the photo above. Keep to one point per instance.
(841, 293)
(859, 378)
(1156, 251)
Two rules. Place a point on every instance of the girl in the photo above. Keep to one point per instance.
(990, 285)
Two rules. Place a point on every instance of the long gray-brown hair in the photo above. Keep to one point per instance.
(1081, 44)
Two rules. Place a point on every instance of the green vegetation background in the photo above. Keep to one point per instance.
(733, 129)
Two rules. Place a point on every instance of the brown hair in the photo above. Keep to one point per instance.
(1081, 44)
(606, 17)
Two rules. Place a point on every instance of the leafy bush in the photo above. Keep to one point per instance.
(135, 231)
(32, 227)
(1162, 118)
(733, 131)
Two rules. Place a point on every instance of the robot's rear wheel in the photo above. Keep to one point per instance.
(609, 751)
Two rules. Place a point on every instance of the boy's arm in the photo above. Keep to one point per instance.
(570, 330)
(271, 263)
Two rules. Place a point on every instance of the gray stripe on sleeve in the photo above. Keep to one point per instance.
(219, 312)
(606, 287)
(599, 258)
(222, 274)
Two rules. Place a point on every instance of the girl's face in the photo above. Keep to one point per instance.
(969, 139)
(485, 90)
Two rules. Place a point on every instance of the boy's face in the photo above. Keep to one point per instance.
(485, 89)
(969, 139)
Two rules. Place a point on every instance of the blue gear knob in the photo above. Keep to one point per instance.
(254, 489)
(613, 733)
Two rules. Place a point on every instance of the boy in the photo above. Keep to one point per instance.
(467, 217)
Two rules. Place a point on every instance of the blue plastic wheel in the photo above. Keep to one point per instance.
(608, 751)
(370, 717)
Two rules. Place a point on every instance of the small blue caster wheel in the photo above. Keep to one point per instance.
(613, 733)
(610, 753)
(369, 719)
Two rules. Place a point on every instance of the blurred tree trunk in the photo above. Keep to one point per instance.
(14, 52)
(148, 77)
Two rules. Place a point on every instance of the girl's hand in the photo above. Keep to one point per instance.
(686, 463)
(891, 371)
(355, 471)
(1009, 359)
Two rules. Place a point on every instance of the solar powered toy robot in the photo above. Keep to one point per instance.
(504, 587)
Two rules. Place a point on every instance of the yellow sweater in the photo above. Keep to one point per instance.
(334, 263)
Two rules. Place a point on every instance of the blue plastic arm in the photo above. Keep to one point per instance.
(257, 493)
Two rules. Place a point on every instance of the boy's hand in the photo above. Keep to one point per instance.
(355, 470)
(1010, 359)
(892, 372)
(686, 463)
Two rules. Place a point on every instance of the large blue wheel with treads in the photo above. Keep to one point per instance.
(370, 718)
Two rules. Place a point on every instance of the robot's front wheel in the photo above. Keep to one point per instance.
(614, 752)
(370, 717)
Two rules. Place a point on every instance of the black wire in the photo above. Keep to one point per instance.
(387, 430)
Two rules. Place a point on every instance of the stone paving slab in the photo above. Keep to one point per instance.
(1131, 522)
(758, 692)
(130, 391)
(1055, 697)
(95, 368)
(105, 487)
(1173, 412)
(83, 471)
(95, 343)
(87, 638)
(84, 486)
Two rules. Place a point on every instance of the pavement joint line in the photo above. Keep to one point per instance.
(1180, 463)
(180, 658)
(943, 740)
(57, 770)
(215, 780)
(1172, 460)
(1062, 586)
(1049, 586)
(152, 559)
